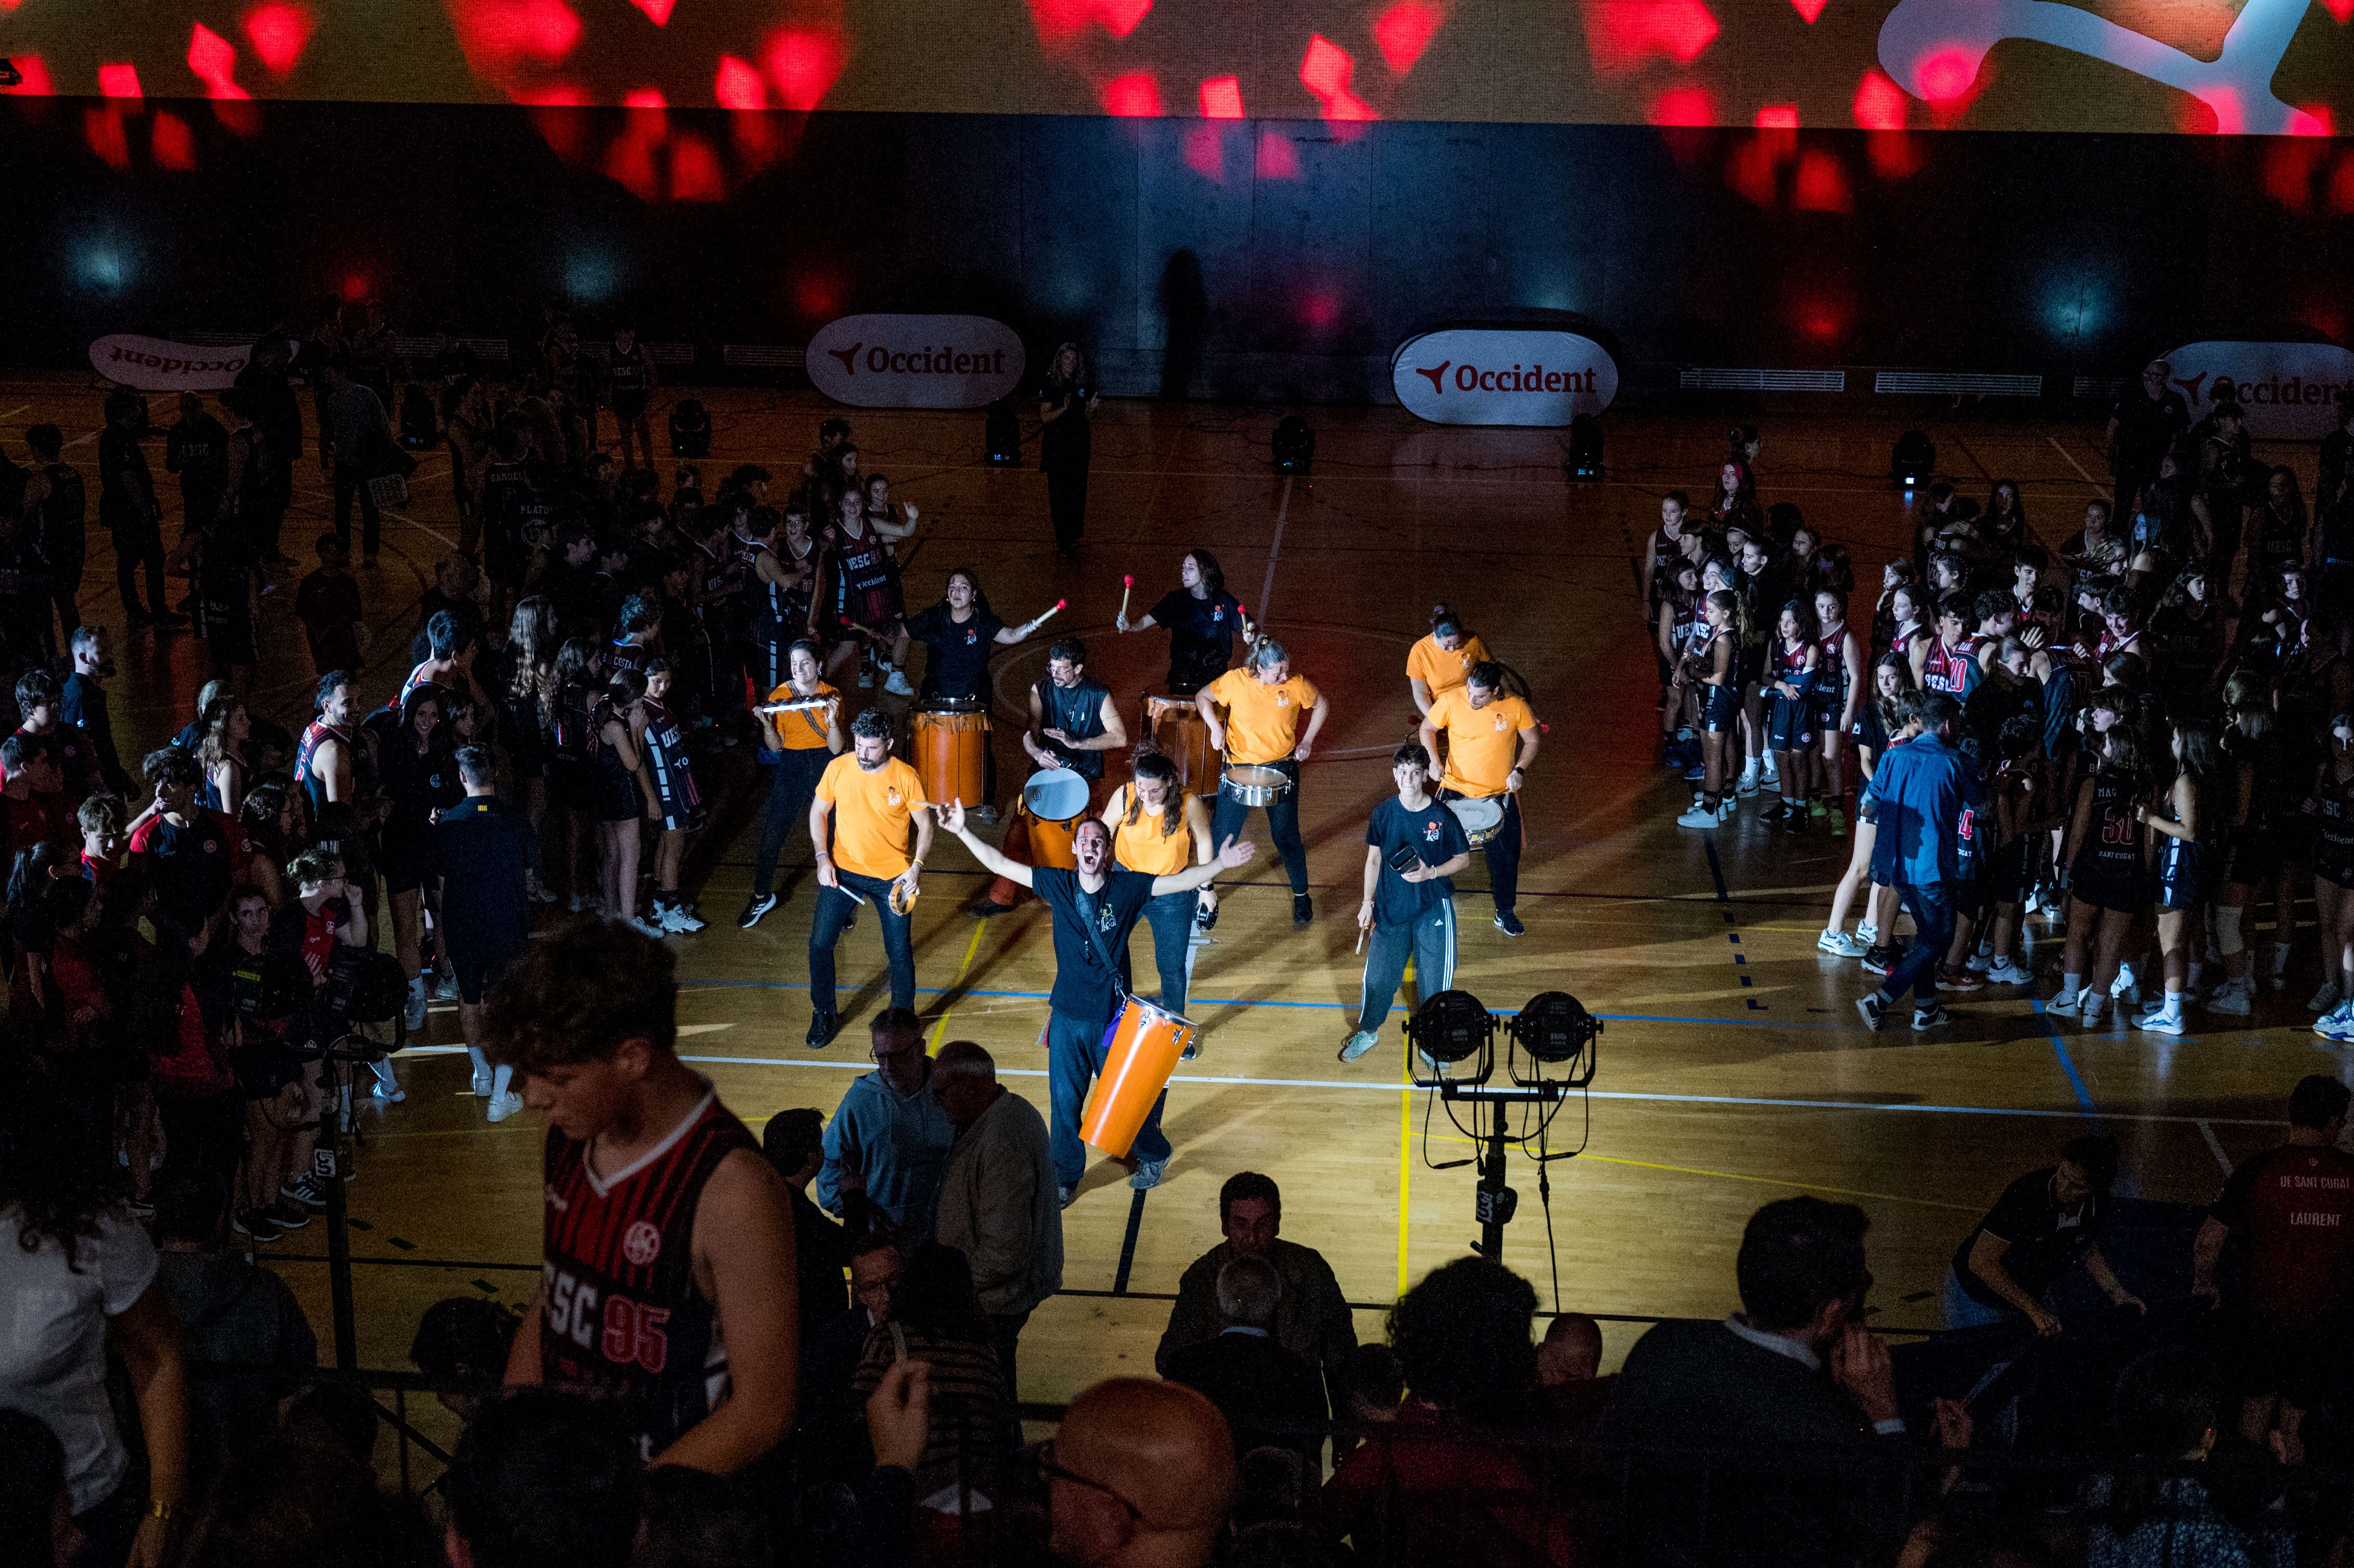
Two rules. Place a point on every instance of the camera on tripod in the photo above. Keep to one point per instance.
(362, 987)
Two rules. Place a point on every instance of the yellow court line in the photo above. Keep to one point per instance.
(1405, 1154)
(1764, 1180)
(969, 949)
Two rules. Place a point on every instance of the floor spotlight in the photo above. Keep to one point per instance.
(1915, 459)
(1453, 1026)
(1554, 1031)
(1294, 444)
(1584, 446)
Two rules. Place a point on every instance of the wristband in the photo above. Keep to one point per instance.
(159, 1508)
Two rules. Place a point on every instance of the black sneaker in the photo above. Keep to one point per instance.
(1933, 1016)
(1772, 815)
(1875, 1011)
(1509, 924)
(1882, 958)
(1793, 819)
(821, 1030)
(760, 905)
(988, 908)
(1303, 909)
(253, 1222)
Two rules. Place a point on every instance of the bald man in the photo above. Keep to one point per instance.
(1572, 1396)
(1141, 1476)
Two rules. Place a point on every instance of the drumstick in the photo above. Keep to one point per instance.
(1048, 614)
(800, 707)
(1361, 938)
(1126, 583)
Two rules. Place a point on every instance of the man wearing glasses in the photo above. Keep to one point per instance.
(1140, 1472)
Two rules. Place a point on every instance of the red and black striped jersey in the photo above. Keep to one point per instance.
(620, 1315)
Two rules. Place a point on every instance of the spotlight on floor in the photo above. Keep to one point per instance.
(1294, 444)
(1000, 434)
(1554, 1031)
(1913, 462)
(1584, 448)
(690, 429)
(1451, 1029)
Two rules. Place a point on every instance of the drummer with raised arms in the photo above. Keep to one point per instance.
(960, 634)
(1096, 907)
(1202, 618)
(1265, 719)
(1491, 738)
(1160, 828)
(1442, 661)
(1073, 722)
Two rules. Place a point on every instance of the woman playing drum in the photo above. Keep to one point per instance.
(960, 634)
(1202, 618)
(1160, 830)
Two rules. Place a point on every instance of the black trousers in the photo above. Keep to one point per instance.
(349, 481)
(1066, 500)
(133, 548)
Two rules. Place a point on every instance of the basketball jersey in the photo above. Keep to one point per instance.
(771, 603)
(860, 571)
(2116, 836)
(620, 1315)
(1077, 712)
(626, 374)
(1789, 664)
(319, 732)
(1945, 670)
(1900, 641)
(1142, 845)
(2333, 812)
(712, 586)
(666, 758)
(1686, 628)
(1830, 669)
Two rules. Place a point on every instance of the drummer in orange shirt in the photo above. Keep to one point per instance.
(1491, 738)
(1159, 828)
(796, 746)
(1256, 716)
(866, 803)
(1442, 661)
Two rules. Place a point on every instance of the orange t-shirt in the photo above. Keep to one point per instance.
(803, 731)
(1142, 846)
(1480, 742)
(1262, 721)
(1440, 671)
(872, 813)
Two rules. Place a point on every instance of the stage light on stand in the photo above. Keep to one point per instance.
(1000, 434)
(690, 429)
(1584, 448)
(1448, 1030)
(1914, 462)
(1555, 1031)
(1294, 444)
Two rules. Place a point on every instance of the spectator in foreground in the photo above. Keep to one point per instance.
(301, 1501)
(888, 1139)
(794, 1141)
(997, 1200)
(1572, 1392)
(1311, 1316)
(36, 1522)
(1916, 797)
(1786, 1413)
(1270, 1397)
(2150, 1515)
(543, 1480)
(936, 1320)
(1140, 1476)
(462, 1344)
(2046, 1222)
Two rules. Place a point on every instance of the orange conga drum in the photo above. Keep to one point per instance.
(949, 746)
(1146, 1041)
(1176, 728)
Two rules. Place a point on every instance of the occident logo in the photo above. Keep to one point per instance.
(915, 362)
(1503, 376)
(2288, 390)
(158, 365)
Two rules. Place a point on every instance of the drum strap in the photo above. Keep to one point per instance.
(1095, 940)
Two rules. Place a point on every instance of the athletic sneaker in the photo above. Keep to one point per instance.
(645, 927)
(1357, 1045)
(1509, 924)
(1700, 817)
(505, 1106)
(1771, 816)
(2281, 951)
(2088, 1009)
(481, 1083)
(866, 677)
(1933, 1016)
(1695, 773)
(1205, 917)
(256, 1223)
(1880, 961)
(2124, 986)
(1747, 786)
(674, 918)
(388, 1091)
(2005, 971)
(2161, 1020)
(1768, 769)
(413, 1014)
(1147, 1174)
(2337, 1025)
(307, 1190)
(1838, 822)
(1961, 980)
(760, 905)
(897, 684)
(1794, 819)
(2233, 1000)
(1303, 909)
(1839, 944)
(2326, 999)
(1866, 933)
(1874, 1011)
(446, 988)
(988, 908)
(287, 1216)
(2065, 1005)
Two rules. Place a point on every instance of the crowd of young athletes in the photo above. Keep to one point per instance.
(2155, 709)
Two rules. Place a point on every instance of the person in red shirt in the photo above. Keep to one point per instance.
(37, 809)
(2287, 1217)
(104, 822)
(193, 853)
(37, 700)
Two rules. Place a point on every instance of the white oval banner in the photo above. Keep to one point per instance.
(1503, 376)
(157, 365)
(915, 362)
(2288, 390)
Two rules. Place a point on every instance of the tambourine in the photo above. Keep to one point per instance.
(902, 898)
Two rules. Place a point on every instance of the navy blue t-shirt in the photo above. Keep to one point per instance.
(1084, 989)
(960, 649)
(1436, 837)
(1201, 633)
(483, 848)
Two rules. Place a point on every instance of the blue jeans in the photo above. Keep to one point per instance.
(1963, 1310)
(834, 914)
(1074, 1055)
(793, 784)
(1170, 916)
(1932, 910)
(1501, 853)
(1430, 941)
(1227, 819)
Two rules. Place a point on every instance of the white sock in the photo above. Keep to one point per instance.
(474, 1055)
(2173, 1004)
(501, 1077)
(2071, 984)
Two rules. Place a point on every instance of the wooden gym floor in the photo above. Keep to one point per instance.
(1733, 1070)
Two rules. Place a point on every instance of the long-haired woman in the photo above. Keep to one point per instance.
(2177, 817)
(2108, 887)
(1161, 829)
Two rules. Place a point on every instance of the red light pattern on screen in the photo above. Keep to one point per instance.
(695, 173)
(1879, 103)
(1822, 184)
(1222, 97)
(171, 145)
(2341, 9)
(213, 58)
(279, 32)
(1778, 117)
(1061, 22)
(1326, 72)
(1809, 10)
(102, 131)
(658, 11)
(1277, 159)
(804, 65)
(1683, 106)
(1404, 31)
(1624, 34)
(119, 79)
(1133, 95)
(36, 74)
(739, 86)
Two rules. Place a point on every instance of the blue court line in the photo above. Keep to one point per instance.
(2067, 1063)
(1320, 1006)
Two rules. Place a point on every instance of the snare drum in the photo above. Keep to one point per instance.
(1175, 728)
(1482, 820)
(949, 746)
(1254, 786)
(1141, 1050)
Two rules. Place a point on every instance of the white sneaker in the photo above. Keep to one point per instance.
(2337, 1025)
(2123, 982)
(2089, 1009)
(1978, 962)
(897, 684)
(866, 678)
(674, 918)
(645, 927)
(2164, 1021)
(1768, 769)
(2233, 1000)
(1839, 944)
(482, 1083)
(1748, 784)
(2004, 972)
(1866, 933)
(388, 1091)
(1698, 817)
(2065, 1003)
(2326, 999)
(412, 1016)
(505, 1106)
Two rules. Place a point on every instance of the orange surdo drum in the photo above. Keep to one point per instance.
(1140, 1051)
(949, 744)
(1175, 728)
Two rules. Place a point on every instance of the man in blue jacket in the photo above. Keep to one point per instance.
(890, 1138)
(1917, 795)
